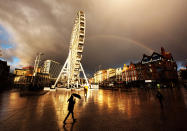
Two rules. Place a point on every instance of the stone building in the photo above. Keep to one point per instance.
(157, 68)
(24, 77)
(129, 73)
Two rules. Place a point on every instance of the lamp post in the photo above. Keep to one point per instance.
(36, 65)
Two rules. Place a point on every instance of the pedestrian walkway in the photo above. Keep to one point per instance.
(135, 109)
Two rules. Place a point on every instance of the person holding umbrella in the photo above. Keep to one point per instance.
(71, 104)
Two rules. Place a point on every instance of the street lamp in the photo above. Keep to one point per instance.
(36, 64)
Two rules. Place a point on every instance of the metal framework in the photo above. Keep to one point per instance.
(36, 63)
(72, 67)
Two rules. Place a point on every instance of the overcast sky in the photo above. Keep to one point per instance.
(117, 31)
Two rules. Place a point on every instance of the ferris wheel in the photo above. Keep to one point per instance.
(72, 67)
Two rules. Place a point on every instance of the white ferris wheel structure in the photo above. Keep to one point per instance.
(72, 66)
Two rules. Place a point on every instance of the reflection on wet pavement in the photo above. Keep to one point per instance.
(132, 109)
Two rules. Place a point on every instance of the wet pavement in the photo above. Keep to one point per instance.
(132, 109)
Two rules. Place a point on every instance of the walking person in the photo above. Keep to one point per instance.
(71, 104)
(160, 98)
(85, 92)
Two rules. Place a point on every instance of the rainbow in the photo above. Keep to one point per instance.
(123, 39)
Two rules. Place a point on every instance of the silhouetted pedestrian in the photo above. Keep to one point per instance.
(160, 98)
(70, 109)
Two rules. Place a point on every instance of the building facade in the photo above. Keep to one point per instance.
(52, 68)
(100, 76)
(129, 73)
(24, 77)
(156, 68)
(118, 74)
(105, 77)
(4, 74)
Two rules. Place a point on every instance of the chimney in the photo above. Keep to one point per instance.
(162, 51)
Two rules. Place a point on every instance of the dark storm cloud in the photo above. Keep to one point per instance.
(117, 32)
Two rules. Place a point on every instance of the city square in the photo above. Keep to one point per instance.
(92, 65)
(130, 109)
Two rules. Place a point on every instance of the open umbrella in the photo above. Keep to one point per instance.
(76, 95)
